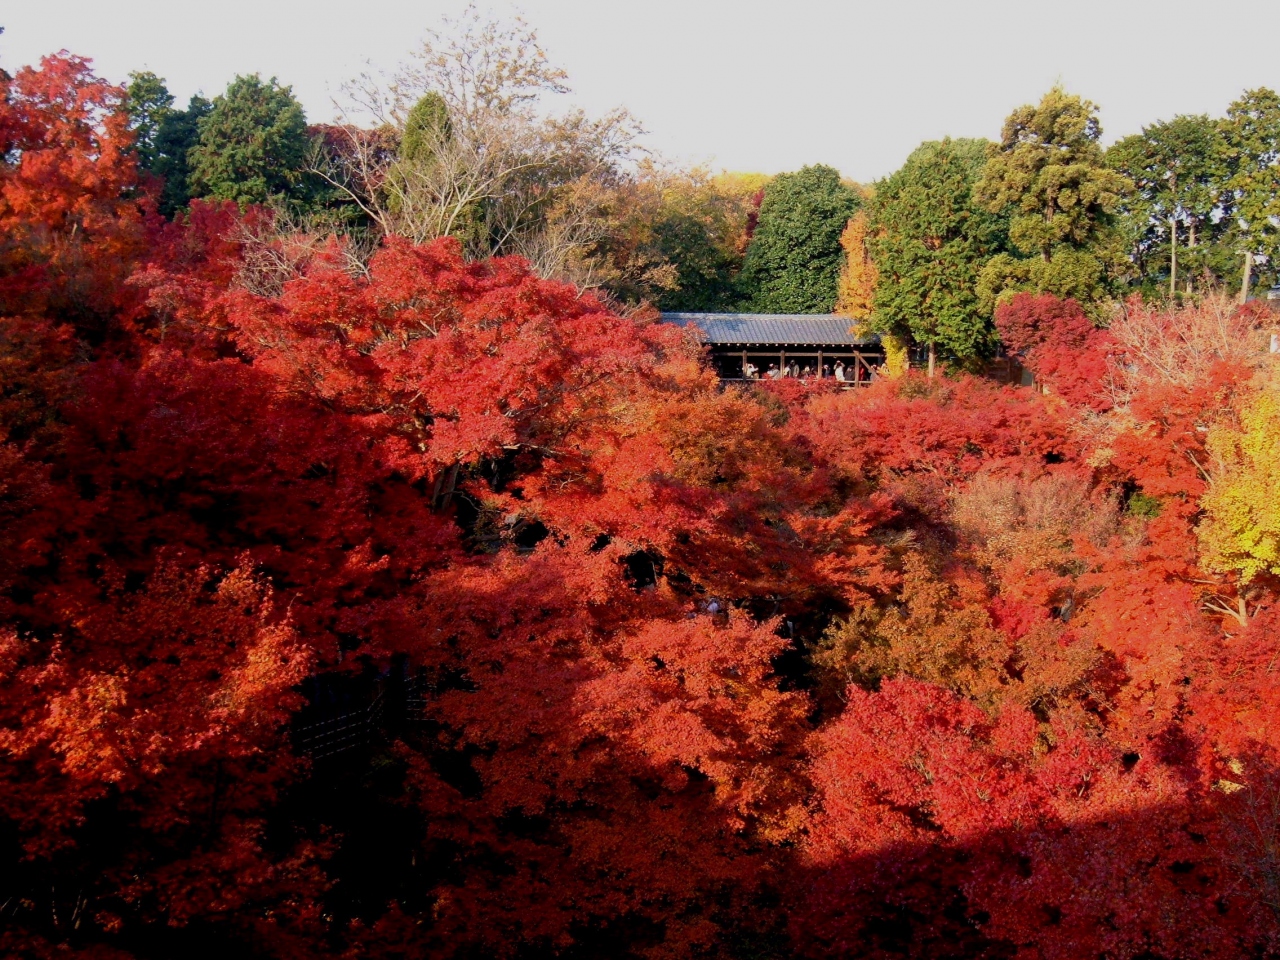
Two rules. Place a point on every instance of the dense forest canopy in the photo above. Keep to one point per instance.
(470, 139)
(379, 578)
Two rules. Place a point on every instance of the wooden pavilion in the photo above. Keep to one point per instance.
(763, 340)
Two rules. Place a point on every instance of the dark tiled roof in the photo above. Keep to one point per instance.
(821, 329)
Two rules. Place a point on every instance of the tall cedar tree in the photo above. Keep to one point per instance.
(178, 135)
(427, 129)
(149, 104)
(930, 241)
(253, 145)
(1179, 170)
(164, 137)
(1048, 176)
(1252, 132)
(793, 263)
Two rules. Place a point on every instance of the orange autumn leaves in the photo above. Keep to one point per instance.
(928, 668)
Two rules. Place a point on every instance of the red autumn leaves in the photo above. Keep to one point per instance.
(954, 696)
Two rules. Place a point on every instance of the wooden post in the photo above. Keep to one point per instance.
(819, 363)
(859, 364)
(744, 364)
(1244, 284)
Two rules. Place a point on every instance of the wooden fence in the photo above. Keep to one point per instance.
(330, 730)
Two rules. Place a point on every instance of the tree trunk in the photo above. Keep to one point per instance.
(446, 483)
(933, 356)
(1173, 256)
(1248, 271)
(1191, 245)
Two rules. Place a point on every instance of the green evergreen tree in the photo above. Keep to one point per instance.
(1048, 175)
(1252, 133)
(164, 136)
(425, 129)
(793, 263)
(704, 263)
(148, 103)
(253, 145)
(930, 241)
(1178, 168)
(699, 229)
(177, 136)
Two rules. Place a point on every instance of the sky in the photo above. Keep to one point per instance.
(740, 85)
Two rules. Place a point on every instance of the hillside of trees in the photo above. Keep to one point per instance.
(466, 140)
(379, 578)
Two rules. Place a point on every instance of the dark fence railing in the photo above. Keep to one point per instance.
(350, 712)
(349, 730)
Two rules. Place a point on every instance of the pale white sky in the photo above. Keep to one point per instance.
(738, 84)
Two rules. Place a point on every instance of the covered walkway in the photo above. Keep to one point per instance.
(746, 346)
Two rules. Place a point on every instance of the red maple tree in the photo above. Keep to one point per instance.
(635, 665)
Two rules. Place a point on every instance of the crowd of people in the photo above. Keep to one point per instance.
(839, 372)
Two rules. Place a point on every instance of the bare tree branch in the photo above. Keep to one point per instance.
(502, 175)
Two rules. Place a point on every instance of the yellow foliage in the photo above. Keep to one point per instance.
(858, 275)
(744, 191)
(1241, 529)
(740, 184)
(896, 355)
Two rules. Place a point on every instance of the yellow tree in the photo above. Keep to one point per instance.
(858, 275)
(856, 290)
(1240, 532)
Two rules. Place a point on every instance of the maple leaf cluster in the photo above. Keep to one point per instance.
(627, 664)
